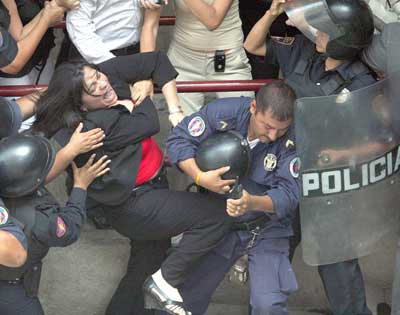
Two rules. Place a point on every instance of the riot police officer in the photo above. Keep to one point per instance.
(264, 212)
(323, 62)
(25, 161)
(13, 249)
(383, 56)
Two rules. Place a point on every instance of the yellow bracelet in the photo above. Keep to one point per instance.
(198, 178)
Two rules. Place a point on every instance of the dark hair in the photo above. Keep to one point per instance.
(59, 106)
(278, 97)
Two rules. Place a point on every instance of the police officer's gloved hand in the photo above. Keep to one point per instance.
(85, 175)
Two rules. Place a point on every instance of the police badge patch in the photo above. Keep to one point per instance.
(3, 216)
(294, 167)
(196, 126)
(270, 162)
(61, 228)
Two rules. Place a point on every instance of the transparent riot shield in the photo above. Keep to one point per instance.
(349, 150)
(396, 285)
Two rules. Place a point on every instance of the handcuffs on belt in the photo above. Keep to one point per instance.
(239, 272)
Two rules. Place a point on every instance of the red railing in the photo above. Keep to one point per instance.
(164, 20)
(182, 86)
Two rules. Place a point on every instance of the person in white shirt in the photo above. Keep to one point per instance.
(102, 29)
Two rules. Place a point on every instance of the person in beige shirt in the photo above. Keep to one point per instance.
(207, 44)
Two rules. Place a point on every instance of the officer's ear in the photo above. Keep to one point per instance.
(253, 107)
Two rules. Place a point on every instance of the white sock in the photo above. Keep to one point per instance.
(169, 290)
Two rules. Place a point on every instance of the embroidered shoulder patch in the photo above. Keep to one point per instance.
(196, 126)
(3, 216)
(283, 40)
(61, 228)
(294, 167)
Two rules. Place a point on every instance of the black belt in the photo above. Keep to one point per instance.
(16, 281)
(132, 49)
(160, 177)
(259, 222)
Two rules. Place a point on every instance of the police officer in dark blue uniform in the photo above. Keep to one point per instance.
(13, 249)
(325, 63)
(25, 161)
(265, 210)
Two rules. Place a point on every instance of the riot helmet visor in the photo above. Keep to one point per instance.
(311, 16)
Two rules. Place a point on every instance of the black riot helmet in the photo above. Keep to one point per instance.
(348, 23)
(224, 149)
(8, 124)
(25, 161)
(4, 16)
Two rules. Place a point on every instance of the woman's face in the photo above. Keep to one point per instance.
(97, 92)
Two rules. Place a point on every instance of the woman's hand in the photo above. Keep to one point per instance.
(140, 90)
(85, 175)
(82, 142)
(175, 118)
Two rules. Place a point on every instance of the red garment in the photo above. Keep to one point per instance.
(151, 161)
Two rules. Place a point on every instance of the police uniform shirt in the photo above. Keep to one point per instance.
(12, 108)
(50, 224)
(287, 52)
(8, 224)
(273, 169)
(8, 48)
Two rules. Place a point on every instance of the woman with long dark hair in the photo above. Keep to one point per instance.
(135, 192)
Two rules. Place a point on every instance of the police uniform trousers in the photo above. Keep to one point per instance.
(154, 212)
(14, 301)
(193, 65)
(271, 276)
(396, 284)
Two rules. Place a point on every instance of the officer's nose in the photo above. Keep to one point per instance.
(273, 134)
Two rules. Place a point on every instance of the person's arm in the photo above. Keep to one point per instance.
(211, 15)
(82, 32)
(149, 32)
(15, 28)
(27, 104)
(255, 42)
(210, 180)
(61, 226)
(80, 142)
(281, 198)
(238, 207)
(185, 138)
(144, 66)
(12, 253)
(27, 45)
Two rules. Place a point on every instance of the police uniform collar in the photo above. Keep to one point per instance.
(344, 69)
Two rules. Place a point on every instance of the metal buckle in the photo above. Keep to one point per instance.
(255, 233)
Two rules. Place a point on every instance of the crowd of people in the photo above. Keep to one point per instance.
(98, 107)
